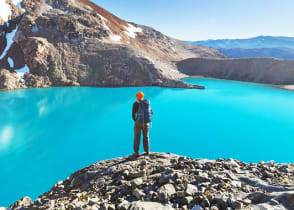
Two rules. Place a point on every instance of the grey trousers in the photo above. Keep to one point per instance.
(141, 127)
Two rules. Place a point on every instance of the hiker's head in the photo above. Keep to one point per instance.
(140, 96)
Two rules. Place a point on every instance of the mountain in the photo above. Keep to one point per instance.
(251, 43)
(280, 53)
(77, 43)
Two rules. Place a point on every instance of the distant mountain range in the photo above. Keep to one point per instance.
(251, 43)
(261, 46)
(280, 53)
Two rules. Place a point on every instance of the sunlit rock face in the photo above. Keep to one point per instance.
(77, 43)
(10, 80)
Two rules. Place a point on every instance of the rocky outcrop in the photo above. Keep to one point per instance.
(167, 181)
(10, 80)
(259, 70)
(77, 43)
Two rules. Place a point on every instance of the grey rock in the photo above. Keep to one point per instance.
(205, 201)
(124, 205)
(274, 202)
(284, 169)
(169, 189)
(221, 200)
(215, 207)
(93, 201)
(163, 197)
(164, 178)
(139, 194)
(133, 175)
(136, 182)
(149, 205)
(23, 202)
(191, 189)
(187, 200)
(237, 205)
(181, 194)
(197, 207)
(258, 197)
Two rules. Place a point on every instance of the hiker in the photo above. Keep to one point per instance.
(142, 115)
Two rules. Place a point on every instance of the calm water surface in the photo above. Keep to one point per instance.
(47, 134)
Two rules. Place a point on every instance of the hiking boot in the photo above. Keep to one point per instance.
(135, 154)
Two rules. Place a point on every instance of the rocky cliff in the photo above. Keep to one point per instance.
(77, 43)
(167, 181)
(259, 70)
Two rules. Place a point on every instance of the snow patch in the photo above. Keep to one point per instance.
(104, 20)
(132, 30)
(5, 10)
(9, 39)
(11, 63)
(114, 37)
(50, 7)
(25, 69)
(20, 76)
(21, 72)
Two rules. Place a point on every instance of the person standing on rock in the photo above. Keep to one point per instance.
(142, 115)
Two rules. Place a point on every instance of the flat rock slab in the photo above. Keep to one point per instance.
(149, 205)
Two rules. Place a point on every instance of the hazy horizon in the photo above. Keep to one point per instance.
(196, 20)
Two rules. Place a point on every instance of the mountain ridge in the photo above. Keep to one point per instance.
(78, 43)
(279, 53)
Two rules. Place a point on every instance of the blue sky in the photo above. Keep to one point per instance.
(208, 19)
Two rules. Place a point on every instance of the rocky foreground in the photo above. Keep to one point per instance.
(168, 181)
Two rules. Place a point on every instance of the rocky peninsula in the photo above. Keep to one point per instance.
(279, 73)
(169, 181)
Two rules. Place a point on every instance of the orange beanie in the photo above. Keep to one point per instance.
(140, 96)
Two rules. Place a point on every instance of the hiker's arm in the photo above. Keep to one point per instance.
(134, 112)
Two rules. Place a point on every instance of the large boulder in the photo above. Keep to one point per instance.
(10, 80)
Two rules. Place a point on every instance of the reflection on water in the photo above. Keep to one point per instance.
(6, 136)
(46, 134)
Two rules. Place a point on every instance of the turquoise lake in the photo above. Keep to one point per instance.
(47, 134)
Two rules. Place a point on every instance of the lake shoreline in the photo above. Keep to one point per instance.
(289, 87)
(284, 87)
(169, 181)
